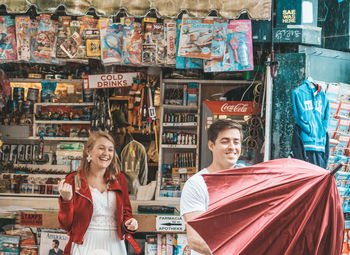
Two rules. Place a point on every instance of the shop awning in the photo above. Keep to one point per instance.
(257, 9)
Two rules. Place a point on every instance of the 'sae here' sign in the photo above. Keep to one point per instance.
(111, 80)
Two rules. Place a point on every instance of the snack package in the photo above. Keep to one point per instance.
(48, 90)
(132, 46)
(8, 45)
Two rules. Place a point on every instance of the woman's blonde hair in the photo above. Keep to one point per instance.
(113, 168)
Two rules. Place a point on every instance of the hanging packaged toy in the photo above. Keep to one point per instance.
(90, 36)
(62, 35)
(170, 38)
(239, 50)
(196, 38)
(72, 44)
(153, 49)
(8, 48)
(132, 46)
(219, 39)
(23, 37)
(45, 44)
(111, 35)
(182, 62)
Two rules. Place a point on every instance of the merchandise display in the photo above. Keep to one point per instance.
(69, 75)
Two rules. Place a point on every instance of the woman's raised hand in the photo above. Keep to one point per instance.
(65, 190)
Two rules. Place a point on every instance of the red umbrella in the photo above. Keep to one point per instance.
(283, 206)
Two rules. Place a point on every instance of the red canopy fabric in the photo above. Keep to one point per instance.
(283, 206)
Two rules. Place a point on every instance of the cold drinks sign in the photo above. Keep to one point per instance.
(106, 81)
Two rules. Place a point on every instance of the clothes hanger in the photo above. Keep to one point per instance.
(317, 86)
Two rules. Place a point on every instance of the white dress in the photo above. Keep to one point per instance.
(101, 237)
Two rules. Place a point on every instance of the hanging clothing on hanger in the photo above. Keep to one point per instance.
(134, 165)
(311, 112)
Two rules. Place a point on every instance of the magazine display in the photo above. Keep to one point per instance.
(239, 49)
(9, 245)
(196, 38)
(47, 241)
(8, 46)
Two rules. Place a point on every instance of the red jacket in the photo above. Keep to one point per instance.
(74, 216)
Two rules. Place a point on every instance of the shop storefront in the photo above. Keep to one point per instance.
(155, 75)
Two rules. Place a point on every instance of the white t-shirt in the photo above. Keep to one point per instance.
(195, 196)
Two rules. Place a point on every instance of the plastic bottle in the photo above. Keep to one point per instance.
(243, 54)
(41, 148)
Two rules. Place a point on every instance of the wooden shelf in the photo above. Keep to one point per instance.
(180, 107)
(179, 146)
(39, 80)
(119, 98)
(48, 138)
(62, 121)
(27, 195)
(182, 124)
(64, 104)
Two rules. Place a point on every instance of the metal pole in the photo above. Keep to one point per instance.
(268, 114)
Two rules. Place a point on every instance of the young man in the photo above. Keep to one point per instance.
(55, 250)
(224, 141)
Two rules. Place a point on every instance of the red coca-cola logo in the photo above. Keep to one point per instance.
(234, 107)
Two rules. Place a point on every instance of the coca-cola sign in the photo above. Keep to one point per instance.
(233, 108)
(230, 107)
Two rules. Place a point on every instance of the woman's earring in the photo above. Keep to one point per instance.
(89, 158)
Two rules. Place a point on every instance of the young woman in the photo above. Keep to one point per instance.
(94, 204)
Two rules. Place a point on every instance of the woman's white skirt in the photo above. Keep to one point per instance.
(100, 242)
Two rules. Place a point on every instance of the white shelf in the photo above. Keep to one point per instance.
(180, 124)
(173, 199)
(64, 104)
(48, 138)
(178, 146)
(180, 107)
(38, 175)
(27, 195)
(62, 121)
(39, 80)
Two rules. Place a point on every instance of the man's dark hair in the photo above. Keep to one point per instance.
(56, 242)
(220, 125)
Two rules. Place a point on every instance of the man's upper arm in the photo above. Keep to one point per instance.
(193, 198)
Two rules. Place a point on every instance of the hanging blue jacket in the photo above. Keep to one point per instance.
(311, 112)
